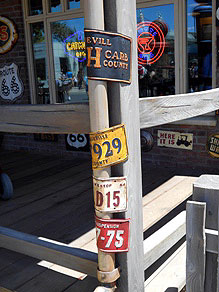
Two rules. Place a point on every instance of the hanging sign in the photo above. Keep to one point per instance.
(175, 140)
(112, 234)
(108, 56)
(110, 194)
(108, 147)
(8, 35)
(213, 145)
(11, 86)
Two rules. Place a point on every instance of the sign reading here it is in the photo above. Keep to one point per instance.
(175, 140)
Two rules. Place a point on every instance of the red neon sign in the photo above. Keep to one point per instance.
(151, 42)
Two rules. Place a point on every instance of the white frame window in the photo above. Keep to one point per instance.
(46, 17)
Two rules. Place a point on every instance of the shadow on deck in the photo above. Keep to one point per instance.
(53, 199)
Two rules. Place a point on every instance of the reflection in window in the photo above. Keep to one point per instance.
(72, 4)
(155, 37)
(40, 64)
(35, 7)
(199, 42)
(55, 6)
(70, 60)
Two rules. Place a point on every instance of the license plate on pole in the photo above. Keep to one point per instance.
(110, 194)
(108, 147)
(112, 234)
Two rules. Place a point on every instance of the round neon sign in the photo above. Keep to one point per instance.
(151, 42)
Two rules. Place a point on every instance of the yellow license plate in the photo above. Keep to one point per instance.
(108, 147)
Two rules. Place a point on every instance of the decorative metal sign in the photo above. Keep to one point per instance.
(213, 145)
(108, 147)
(11, 86)
(110, 194)
(8, 35)
(108, 56)
(175, 140)
(151, 42)
(112, 234)
(74, 46)
(77, 142)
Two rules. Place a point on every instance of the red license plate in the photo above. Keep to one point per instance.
(112, 234)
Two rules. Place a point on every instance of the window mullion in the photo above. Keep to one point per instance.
(49, 51)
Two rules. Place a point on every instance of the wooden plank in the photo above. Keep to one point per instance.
(5, 290)
(211, 241)
(171, 276)
(57, 118)
(72, 258)
(164, 202)
(163, 239)
(206, 189)
(48, 281)
(120, 16)
(195, 247)
(156, 111)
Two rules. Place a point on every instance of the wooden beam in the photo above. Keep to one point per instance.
(74, 118)
(56, 119)
(171, 275)
(72, 258)
(206, 189)
(120, 16)
(161, 110)
(211, 240)
(195, 246)
(162, 240)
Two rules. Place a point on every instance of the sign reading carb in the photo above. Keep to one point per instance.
(108, 56)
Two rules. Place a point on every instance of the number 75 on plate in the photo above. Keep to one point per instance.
(112, 234)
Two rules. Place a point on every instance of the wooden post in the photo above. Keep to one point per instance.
(99, 117)
(120, 16)
(206, 189)
(195, 246)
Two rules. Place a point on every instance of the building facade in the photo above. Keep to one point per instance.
(46, 64)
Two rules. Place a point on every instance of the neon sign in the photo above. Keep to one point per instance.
(8, 35)
(151, 42)
(74, 46)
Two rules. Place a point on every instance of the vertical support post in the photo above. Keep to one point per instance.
(120, 16)
(195, 246)
(99, 116)
(206, 189)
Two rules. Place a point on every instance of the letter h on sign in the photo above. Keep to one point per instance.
(96, 59)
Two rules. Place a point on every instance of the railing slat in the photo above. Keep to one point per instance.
(69, 257)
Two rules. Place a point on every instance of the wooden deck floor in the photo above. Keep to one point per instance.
(52, 199)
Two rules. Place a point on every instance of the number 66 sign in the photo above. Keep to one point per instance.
(108, 147)
(112, 234)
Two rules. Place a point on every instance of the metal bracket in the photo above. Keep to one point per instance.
(108, 277)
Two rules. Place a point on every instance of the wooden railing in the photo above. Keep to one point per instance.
(74, 118)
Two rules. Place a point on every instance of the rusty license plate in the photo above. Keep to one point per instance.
(112, 234)
(108, 147)
(110, 194)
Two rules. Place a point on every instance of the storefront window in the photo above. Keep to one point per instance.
(72, 4)
(55, 6)
(199, 45)
(40, 62)
(156, 60)
(35, 7)
(70, 60)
